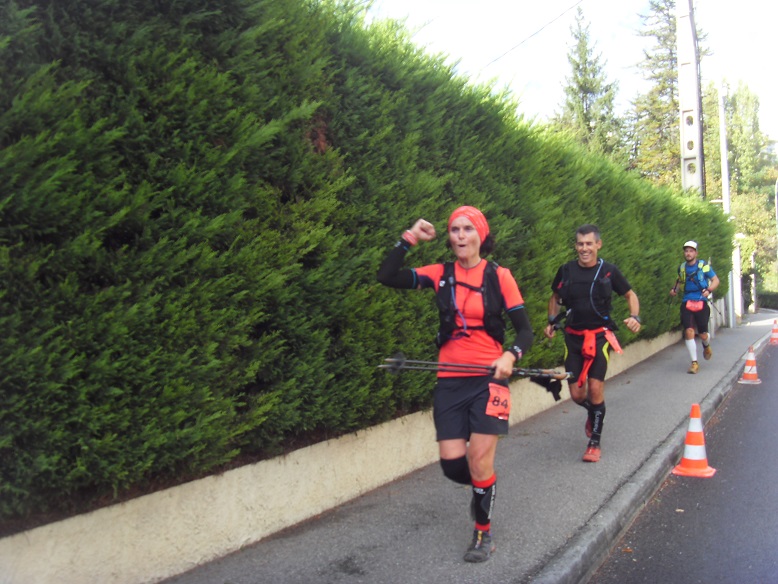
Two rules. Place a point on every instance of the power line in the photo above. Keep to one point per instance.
(537, 32)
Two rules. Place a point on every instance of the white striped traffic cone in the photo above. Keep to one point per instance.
(749, 371)
(694, 462)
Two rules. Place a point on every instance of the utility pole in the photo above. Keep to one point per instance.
(690, 100)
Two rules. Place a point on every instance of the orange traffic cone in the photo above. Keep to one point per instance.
(749, 371)
(774, 334)
(694, 462)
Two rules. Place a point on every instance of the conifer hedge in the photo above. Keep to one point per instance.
(194, 205)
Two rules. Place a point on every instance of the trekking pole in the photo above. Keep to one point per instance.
(547, 378)
(400, 363)
(710, 303)
(667, 311)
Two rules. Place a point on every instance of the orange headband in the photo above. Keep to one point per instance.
(476, 218)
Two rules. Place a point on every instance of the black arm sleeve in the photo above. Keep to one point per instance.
(391, 273)
(524, 334)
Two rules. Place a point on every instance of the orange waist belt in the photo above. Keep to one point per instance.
(589, 349)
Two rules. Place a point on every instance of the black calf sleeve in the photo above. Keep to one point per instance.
(598, 415)
(483, 502)
(457, 470)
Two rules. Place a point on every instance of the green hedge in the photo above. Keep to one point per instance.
(195, 205)
(768, 300)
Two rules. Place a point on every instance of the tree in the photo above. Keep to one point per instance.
(751, 165)
(655, 133)
(747, 142)
(588, 108)
(753, 216)
(752, 174)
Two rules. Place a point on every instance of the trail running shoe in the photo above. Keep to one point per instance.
(481, 547)
(695, 367)
(592, 453)
(707, 352)
(588, 427)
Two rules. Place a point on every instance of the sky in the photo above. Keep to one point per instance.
(523, 45)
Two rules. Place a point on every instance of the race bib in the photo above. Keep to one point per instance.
(694, 305)
(499, 405)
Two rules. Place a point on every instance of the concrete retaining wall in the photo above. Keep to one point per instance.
(169, 532)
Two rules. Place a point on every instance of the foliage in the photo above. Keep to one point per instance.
(655, 152)
(196, 203)
(754, 217)
(753, 171)
(656, 136)
(768, 300)
(588, 109)
(751, 166)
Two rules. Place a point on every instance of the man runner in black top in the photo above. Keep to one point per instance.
(585, 287)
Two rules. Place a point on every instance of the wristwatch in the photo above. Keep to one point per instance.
(636, 317)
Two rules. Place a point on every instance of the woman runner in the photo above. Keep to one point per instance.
(470, 410)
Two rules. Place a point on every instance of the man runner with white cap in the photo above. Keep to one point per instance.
(699, 281)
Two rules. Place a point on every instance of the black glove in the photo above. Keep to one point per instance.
(554, 386)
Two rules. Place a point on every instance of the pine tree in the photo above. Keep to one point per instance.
(656, 134)
(588, 108)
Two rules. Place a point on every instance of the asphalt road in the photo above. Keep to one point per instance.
(723, 529)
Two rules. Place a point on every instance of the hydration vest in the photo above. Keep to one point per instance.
(699, 275)
(494, 325)
(601, 289)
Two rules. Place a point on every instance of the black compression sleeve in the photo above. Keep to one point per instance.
(391, 273)
(524, 334)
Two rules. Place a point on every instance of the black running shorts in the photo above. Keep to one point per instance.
(459, 408)
(699, 319)
(574, 361)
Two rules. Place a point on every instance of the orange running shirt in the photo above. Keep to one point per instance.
(478, 348)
